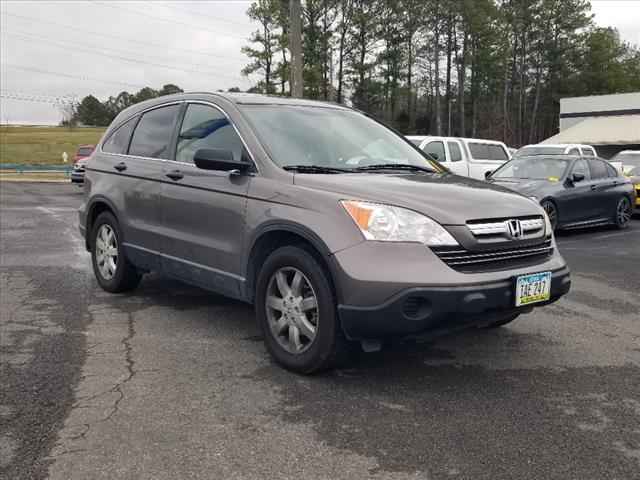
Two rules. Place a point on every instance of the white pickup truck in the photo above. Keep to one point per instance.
(470, 157)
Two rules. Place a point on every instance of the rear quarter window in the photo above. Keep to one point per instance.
(118, 141)
(496, 152)
(479, 150)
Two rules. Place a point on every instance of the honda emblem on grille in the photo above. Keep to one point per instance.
(514, 227)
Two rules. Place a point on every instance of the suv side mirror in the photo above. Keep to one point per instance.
(218, 159)
(487, 174)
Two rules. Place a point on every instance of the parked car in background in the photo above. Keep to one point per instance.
(557, 149)
(574, 191)
(80, 160)
(332, 225)
(470, 157)
(629, 161)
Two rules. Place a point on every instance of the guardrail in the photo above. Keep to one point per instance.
(20, 168)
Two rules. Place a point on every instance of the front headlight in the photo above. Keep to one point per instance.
(395, 224)
(548, 229)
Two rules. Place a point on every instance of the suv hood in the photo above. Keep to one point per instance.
(448, 199)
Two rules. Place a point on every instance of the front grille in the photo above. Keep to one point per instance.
(495, 229)
(469, 261)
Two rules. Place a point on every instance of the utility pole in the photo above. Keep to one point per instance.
(295, 45)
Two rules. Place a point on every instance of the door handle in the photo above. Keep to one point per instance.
(175, 175)
(120, 166)
(593, 187)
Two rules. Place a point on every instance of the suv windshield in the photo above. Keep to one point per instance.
(330, 138)
(533, 168)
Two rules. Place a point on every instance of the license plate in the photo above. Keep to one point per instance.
(533, 288)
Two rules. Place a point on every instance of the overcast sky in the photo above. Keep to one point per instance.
(74, 48)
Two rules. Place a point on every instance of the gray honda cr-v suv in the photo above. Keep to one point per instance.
(336, 228)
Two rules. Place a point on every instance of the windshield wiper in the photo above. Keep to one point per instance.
(316, 169)
(395, 166)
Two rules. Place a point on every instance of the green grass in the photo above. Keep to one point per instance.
(43, 145)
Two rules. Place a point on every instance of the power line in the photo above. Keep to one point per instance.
(124, 39)
(37, 98)
(65, 45)
(94, 47)
(166, 20)
(198, 14)
(68, 75)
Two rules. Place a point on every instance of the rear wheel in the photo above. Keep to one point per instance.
(623, 213)
(111, 267)
(296, 310)
(504, 321)
(552, 212)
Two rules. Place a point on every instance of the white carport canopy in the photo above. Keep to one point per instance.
(615, 130)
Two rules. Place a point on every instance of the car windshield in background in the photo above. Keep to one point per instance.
(528, 151)
(416, 142)
(628, 159)
(85, 151)
(534, 168)
(330, 138)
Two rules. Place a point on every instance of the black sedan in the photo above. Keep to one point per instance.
(575, 191)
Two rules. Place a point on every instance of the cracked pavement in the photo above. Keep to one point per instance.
(172, 382)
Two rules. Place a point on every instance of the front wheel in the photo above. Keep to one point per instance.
(111, 267)
(552, 213)
(296, 310)
(623, 213)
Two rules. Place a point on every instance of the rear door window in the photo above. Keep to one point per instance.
(436, 148)
(154, 133)
(118, 141)
(598, 169)
(454, 151)
(207, 127)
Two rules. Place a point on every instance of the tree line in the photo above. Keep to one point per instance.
(481, 68)
(91, 111)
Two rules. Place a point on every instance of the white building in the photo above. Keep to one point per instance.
(608, 122)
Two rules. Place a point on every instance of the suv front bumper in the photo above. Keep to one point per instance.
(440, 309)
(398, 290)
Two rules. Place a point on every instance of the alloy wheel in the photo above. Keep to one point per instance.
(292, 309)
(623, 213)
(106, 251)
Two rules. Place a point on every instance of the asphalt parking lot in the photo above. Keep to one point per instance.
(172, 382)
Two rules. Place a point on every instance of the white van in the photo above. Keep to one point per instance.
(470, 157)
(557, 149)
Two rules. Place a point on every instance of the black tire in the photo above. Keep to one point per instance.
(624, 212)
(329, 348)
(552, 212)
(125, 277)
(502, 322)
